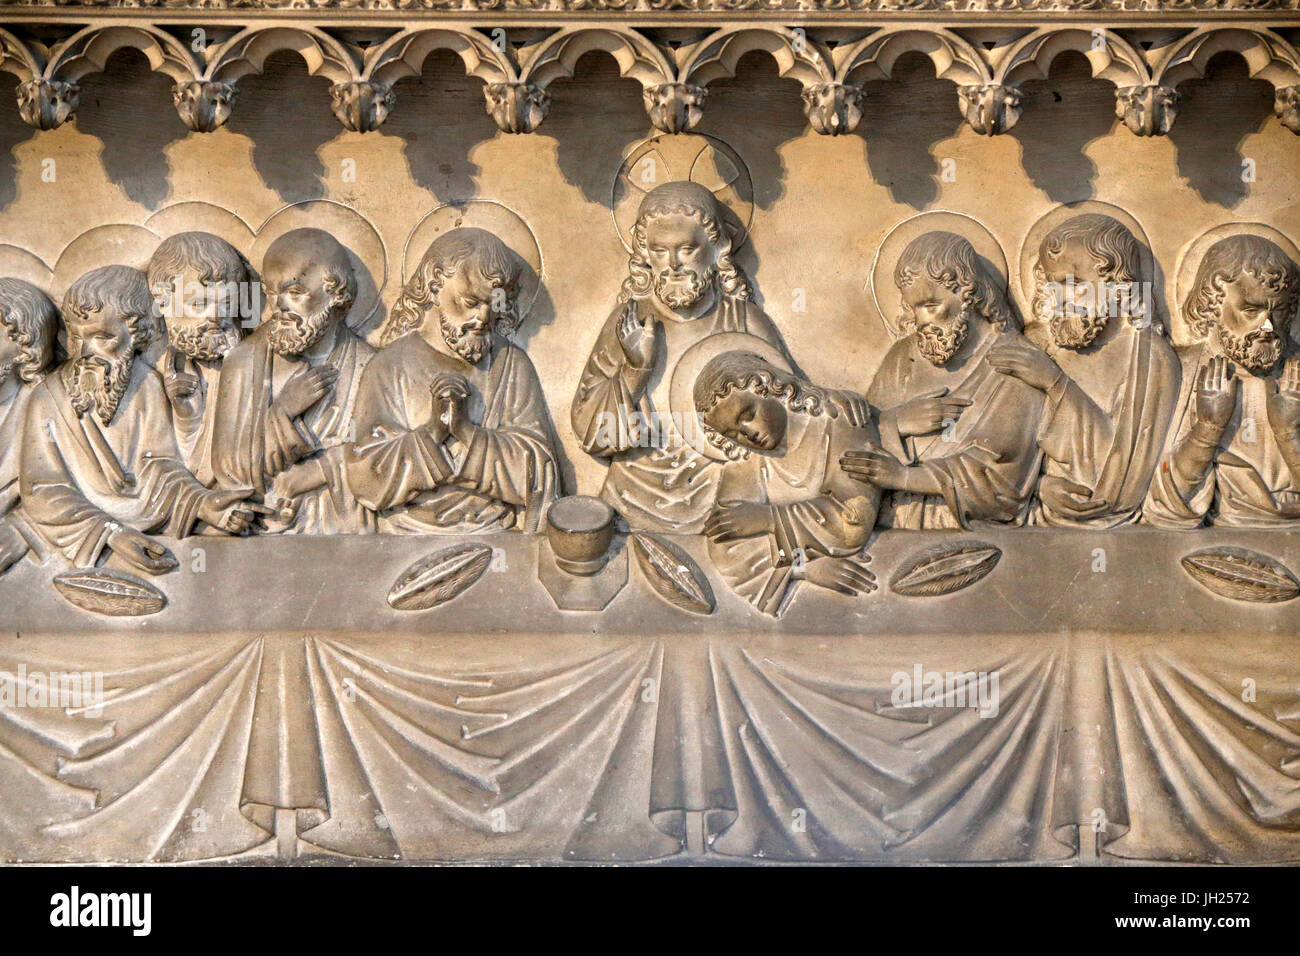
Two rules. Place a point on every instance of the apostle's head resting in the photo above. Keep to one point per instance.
(310, 285)
(470, 279)
(1088, 269)
(200, 283)
(744, 403)
(680, 248)
(29, 328)
(109, 316)
(1244, 300)
(943, 285)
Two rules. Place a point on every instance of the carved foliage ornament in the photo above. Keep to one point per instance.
(674, 79)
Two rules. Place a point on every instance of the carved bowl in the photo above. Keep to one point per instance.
(580, 529)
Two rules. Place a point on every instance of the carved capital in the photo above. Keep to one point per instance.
(47, 104)
(204, 105)
(833, 108)
(1148, 110)
(989, 108)
(674, 107)
(1286, 107)
(517, 107)
(362, 105)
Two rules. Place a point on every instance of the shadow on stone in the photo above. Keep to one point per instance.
(128, 108)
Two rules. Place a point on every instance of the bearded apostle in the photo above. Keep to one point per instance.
(198, 281)
(100, 468)
(453, 432)
(287, 391)
(1233, 454)
(785, 512)
(682, 287)
(1109, 376)
(29, 325)
(958, 437)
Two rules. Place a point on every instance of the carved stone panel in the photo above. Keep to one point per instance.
(608, 432)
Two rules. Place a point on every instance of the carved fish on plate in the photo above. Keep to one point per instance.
(945, 568)
(674, 576)
(104, 591)
(439, 577)
(1242, 575)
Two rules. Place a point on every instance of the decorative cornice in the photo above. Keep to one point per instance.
(835, 68)
(1034, 7)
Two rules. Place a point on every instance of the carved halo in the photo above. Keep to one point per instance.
(498, 219)
(1058, 215)
(354, 231)
(681, 393)
(1189, 261)
(112, 244)
(883, 291)
(706, 160)
(18, 263)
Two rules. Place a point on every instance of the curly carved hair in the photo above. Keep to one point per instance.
(454, 250)
(1107, 240)
(950, 259)
(33, 319)
(214, 259)
(746, 371)
(1224, 262)
(640, 278)
(120, 288)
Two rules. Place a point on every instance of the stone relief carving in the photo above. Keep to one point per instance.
(958, 428)
(726, 467)
(1231, 451)
(1145, 68)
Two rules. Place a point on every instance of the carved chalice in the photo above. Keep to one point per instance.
(580, 529)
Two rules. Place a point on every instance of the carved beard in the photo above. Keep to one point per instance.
(100, 383)
(1076, 330)
(469, 344)
(938, 345)
(5, 371)
(204, 343)
(291, 334)
(1257, 351)
(682, 288)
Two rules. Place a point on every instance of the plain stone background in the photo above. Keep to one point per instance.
(821, 204)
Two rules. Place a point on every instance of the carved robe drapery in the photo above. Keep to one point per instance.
(1248, 485)
(817, 509)
(12, 418)
(194, 434)
(991, 449)
(656, 481)
(80, 478)
(1108, 435)
(506, 477)
(251, 431)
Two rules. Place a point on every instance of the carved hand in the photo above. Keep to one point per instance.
(1284, 400)
(738, 519)
(637, 337)
(928, 412)
(1070, 498)
(1216, 393)
(230, 511)
(305, 388)
(141, 551)
(844, 575)
(12, 546)
(181, 384)
(855, 408)
(1032, 366)
(875, 467)
(448, 389)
